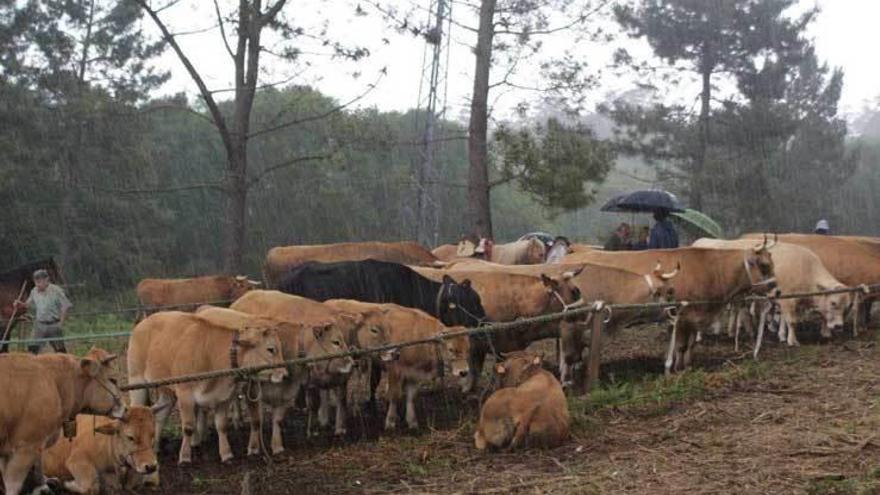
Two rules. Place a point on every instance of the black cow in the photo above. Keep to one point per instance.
(384, 282)
(10, 289)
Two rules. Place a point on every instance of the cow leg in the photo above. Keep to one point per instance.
(324, 408)
(395, 391)
(187, 409)
(221, 422)
(17, 467)
(690, 341)
(163, 411)
(339, 396)
(256, 419)
(278, 413)
(671, 354)
(85, 477)
(201, 427)
(762, 323)
(476, 358)
(375, 378)
(412, 389)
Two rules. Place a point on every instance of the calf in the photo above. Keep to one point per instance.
(115, 452)
(529, 410)
(40, 393)
(174, 343)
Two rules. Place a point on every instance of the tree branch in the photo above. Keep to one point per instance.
(190, 187)
(219, 121)
(583, 17)
(499, 182)
(320, 116)
(223, 30)
(272, 12)
(285, 164)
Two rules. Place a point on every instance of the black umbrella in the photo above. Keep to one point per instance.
(647, 200)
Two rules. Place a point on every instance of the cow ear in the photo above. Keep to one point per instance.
(109, 359)
(89, 367)
(549, 282)
(466, 283)
(537, 360)
(499, 368)
(447, 280)
(578, 271)
(320, 330)
(107, 429)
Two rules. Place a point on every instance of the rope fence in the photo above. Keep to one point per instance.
(595, 307)
(587, 308)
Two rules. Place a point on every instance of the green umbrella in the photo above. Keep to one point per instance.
(699, 221)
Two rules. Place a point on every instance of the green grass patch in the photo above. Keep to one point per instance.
(866, 485)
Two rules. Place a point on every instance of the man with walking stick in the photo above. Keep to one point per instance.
(51, 306)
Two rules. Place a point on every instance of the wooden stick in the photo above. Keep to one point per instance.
(12, 317)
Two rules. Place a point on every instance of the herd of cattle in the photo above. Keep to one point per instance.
(323, 300)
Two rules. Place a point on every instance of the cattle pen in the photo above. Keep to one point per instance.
(686, 432)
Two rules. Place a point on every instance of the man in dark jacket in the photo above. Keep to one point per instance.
(619, 240)
(663, 235)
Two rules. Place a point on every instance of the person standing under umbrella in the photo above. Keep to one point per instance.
(663, 234)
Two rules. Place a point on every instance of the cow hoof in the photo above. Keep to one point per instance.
(340, 432)
(227, 459)
(413, 427)
(390, 425)
(277, 450)
(253, 452)
(184, 461)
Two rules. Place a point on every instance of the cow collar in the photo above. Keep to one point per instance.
(233, 349)
(759, 283)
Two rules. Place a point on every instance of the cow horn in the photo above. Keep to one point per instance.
(672, 274)
(255, 282)
(774, 241)
(240, 278)
(658, 267)
(577, 304)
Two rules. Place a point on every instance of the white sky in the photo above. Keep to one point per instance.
(845, 34)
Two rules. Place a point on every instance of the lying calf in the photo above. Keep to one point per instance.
(112, 453)
(529, 410)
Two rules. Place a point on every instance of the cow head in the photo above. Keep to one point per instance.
(833, 308)
(241, 285)
(100, 393)
(455, 352)
(132, 439)
(458, 304)
(561, 290)
(516, 368)
(759, 267)
(259, 346)
(329, 339)
(660, 283)
(536, 251)
(372, 333)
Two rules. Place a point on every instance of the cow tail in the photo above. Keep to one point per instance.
(522, 428)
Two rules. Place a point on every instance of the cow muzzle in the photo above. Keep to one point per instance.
(389, 355)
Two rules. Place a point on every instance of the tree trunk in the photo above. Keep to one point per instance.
(697, 182)
(478, 174)
(236, 210)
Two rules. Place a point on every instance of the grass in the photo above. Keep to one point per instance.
(839, 485)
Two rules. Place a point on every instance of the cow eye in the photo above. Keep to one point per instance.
(336, 343)
(271, 350)
(114, 381)
(374, 330)
(131, 438)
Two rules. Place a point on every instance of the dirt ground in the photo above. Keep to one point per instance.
(802, 420)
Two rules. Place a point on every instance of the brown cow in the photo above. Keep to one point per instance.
(708, 275)
(509, 296)
(852, 260)
(299, 339)
(40, 393)
(526, 252)
(529, 410)
(798, 269)
(186, 294)
(173, 343)
(595, 283)
(279, 260)
(113, 453)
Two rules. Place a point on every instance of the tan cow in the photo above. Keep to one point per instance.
(529, 410)
(508, 296)
(40, 393)
(526, 252)
(279, 260)
(707, 275)
(595, 283)
(299, 339)
(798, 269)
(112, 453)
(174, 343)
(186, 294)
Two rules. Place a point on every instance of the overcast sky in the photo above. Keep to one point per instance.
(846, 34)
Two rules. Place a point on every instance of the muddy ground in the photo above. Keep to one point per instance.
(801, 420)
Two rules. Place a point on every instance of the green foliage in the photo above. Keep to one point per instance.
(559, 165)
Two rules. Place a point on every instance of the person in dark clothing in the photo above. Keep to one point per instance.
(642, 243)
(619, 240)
(663, 234)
